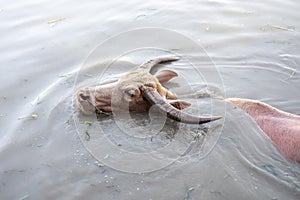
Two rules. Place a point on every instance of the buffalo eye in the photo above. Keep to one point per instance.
(84, 97)
(130, 93)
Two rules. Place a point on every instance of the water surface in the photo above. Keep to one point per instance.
(250, 50)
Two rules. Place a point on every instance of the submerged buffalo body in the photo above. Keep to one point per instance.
(137, 91)
(281, 127)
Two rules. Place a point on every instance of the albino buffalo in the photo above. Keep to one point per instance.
(137, 91)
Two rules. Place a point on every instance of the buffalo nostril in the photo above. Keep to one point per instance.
(84, 97)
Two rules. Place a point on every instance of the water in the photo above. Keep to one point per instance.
(254, 46)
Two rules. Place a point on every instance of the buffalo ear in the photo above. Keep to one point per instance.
(180, 104)
(165, 75)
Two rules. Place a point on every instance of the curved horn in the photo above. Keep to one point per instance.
(150, 63)
(173, 113)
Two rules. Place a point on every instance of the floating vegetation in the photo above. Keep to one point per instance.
(87, 122)
(293, 73)
(56, 20)
(174, 49)
(68, 77)
(64, 75)
(187, 193)
(24, 197)
(33, 116)
(37, 101)
(68, 122)
(70, 81)
(140, 16)
(118, 190)
(88, 75)
(282, 28)
(87, 136)
(133, 72)
(99, 164)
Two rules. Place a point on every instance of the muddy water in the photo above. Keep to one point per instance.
(239, 49)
